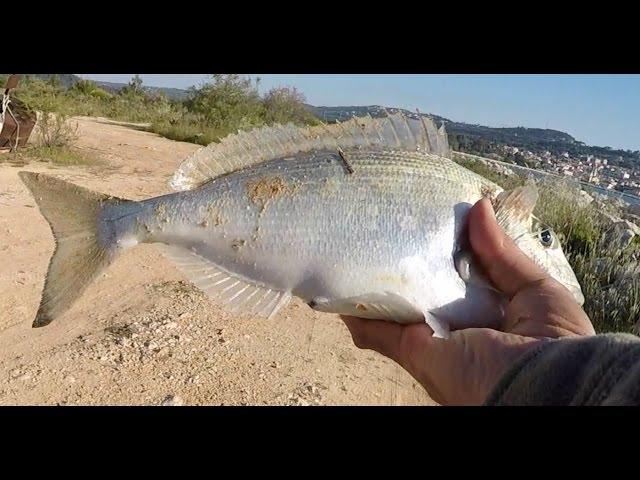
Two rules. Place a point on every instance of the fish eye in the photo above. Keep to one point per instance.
(546, 237)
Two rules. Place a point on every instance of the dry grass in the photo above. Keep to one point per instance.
(58, 155)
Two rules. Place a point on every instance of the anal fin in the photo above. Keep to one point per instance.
(237, 294)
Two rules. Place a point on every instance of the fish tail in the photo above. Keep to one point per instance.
(86, 243)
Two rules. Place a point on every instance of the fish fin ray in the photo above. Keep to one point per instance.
(237, 294)
(82, 249)
(246, 149)
(514, 209)
(379, 306)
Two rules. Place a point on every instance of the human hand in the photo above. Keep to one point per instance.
(463, 369)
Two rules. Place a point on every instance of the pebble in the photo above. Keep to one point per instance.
(172, 401)
(164, 352)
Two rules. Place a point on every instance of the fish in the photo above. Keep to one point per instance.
(363, 218)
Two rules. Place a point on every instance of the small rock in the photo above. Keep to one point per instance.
(632, 218)
(631, 226)
(622, 232)
(172, 401)
(164, 352)
(633, 209)
(584, 198)
(626, 238)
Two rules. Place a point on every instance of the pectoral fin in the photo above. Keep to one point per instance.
(439, 326)
(514, 209)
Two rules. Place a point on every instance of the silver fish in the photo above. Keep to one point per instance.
(362, 218)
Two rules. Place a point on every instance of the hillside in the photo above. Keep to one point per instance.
(171, 93)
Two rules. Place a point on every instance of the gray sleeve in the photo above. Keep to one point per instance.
(598, 370)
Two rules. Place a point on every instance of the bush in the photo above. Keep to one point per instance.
(55, 130)
(43, 96)
(286, 104)
(227, 101)
(190, 128)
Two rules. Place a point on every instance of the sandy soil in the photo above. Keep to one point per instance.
(143, 335)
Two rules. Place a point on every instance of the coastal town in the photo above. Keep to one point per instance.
(586, 168)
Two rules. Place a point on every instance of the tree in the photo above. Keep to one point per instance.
(227, 101)
(134, 88)
(136, 84)
(286, 104)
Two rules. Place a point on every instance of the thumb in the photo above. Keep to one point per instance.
(505, 264)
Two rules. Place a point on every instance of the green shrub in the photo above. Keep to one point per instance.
(286, 104)
(228, 101)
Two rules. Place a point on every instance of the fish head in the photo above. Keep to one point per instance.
(514, 212)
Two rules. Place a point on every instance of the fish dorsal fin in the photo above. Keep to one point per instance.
(246, 149)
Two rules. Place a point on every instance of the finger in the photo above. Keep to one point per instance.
(412, 346)
(507, 266)
(381, 336)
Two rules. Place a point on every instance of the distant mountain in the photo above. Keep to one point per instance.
(65, 79)
(484, 140)
(505, 135)
(172, 93)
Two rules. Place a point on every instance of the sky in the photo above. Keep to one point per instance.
(601, 110)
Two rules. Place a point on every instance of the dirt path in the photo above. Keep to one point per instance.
(142, 334)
